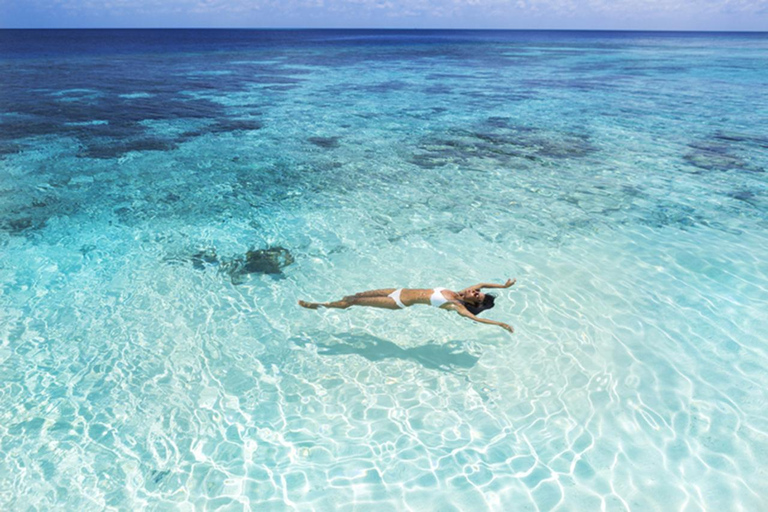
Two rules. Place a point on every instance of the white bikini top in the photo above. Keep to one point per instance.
(437, 299)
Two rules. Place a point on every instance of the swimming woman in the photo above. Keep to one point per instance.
(468, 302)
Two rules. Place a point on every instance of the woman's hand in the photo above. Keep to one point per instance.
(510, 282)
(506, 327)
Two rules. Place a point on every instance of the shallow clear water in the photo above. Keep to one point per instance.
(619, 176)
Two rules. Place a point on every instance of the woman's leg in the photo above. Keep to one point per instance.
(372, 302)
(315, 305)
(372, 293)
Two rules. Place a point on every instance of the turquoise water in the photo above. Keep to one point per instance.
(619, 176)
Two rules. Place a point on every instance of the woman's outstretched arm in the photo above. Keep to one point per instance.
(480, 286)
(465, 312)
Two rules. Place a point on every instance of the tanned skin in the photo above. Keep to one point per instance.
(457, 301)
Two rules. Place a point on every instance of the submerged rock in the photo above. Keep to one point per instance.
(267, 261)
(200, 258)
(271, 260)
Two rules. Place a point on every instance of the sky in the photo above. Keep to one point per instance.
(728, 15)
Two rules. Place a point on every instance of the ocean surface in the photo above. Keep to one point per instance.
(166, 197)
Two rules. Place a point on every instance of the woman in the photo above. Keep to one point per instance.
(469, 302)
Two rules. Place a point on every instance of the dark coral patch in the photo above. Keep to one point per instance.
(428, 160)
(741, 138)
(18, 224)
(722, 152)
(223, 125)
(117, 149)
(28, 211)
(280, 88)
(236, 125)
(501, 141)
(437, 89)
(325, 142)
(499, 122)
(385, 87)
(743, 195)
(8, 148)
(278, 80)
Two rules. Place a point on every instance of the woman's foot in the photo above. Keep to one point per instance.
(308, 305)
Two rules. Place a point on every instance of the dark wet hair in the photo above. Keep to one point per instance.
(486, 304)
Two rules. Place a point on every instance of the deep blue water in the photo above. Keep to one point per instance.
(149, 361)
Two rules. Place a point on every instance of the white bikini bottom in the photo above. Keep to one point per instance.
(395, 296)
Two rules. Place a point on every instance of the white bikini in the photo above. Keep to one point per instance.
(395, 296)
(436, 299)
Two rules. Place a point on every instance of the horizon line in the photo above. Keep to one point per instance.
(724, 31)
